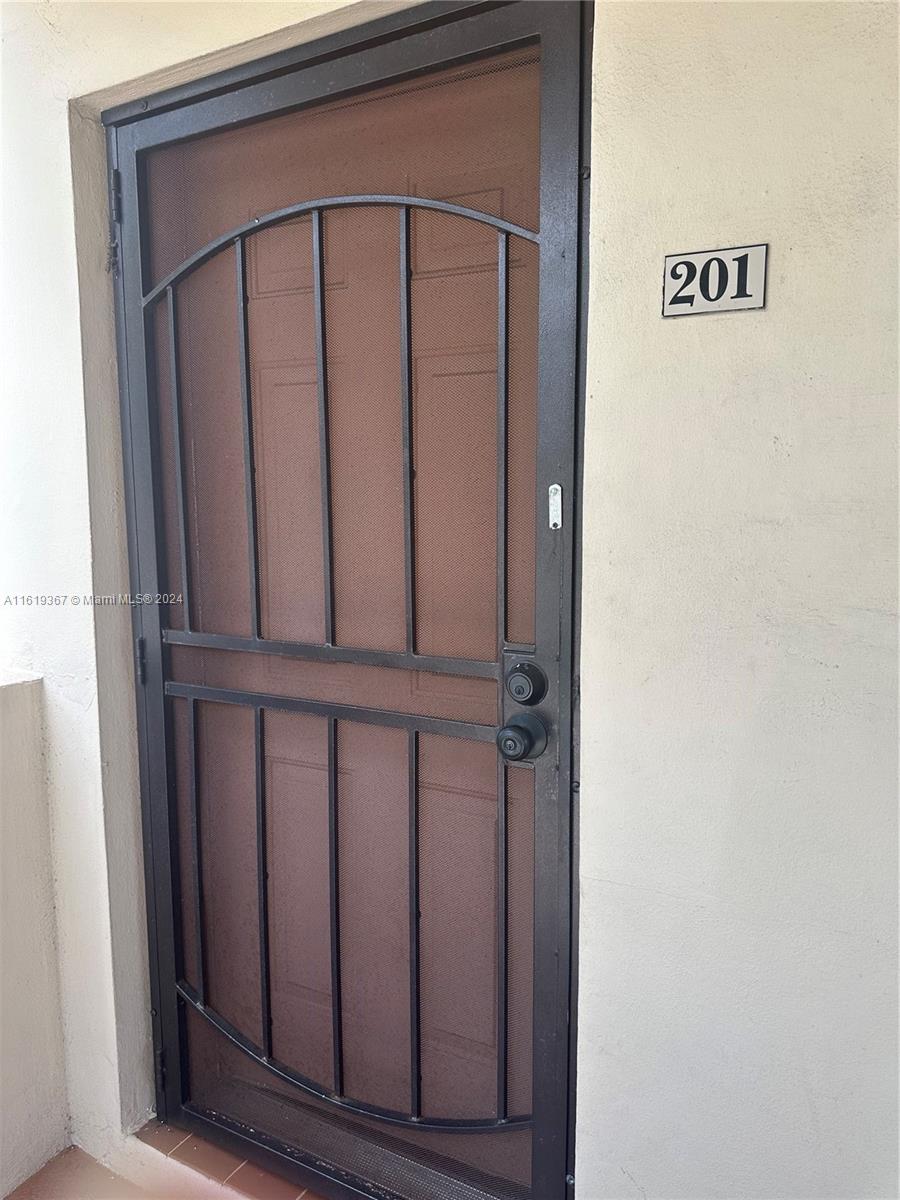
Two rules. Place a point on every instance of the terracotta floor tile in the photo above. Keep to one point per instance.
(254, 1182)
(161, 1137)
(209, 1160)
(74, 1175)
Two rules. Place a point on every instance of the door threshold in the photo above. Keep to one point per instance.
(234, 1176)
(203, 1172)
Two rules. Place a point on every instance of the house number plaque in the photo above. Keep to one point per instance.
(709, 281)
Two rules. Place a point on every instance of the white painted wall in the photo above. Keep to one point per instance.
(33, 1109)
(739, 830)
(738, 841)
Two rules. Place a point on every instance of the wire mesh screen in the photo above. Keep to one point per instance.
(226, 803)
(172, 572)
(212, 448)
(458, 824)
(296, 790)
(362, 320)
(286, 450)
(470, 131)
(352, 522)
(346, 406)
(291, 448)
(426, 693)
(186, 858)
(352, 974)
(519, 935)
(373, 856)
(454, 347)
(521, 440)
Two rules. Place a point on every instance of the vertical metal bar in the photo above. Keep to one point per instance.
(415, 1067)
(334, 876)
(180, 482)
(246, 406)
(406, 395)
(262, 877)
(145, 544)
(324, 441)
(558, 319)
(502, 423)
(502, 939)
(196, 852)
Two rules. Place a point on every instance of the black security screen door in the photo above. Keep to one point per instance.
(348, 325)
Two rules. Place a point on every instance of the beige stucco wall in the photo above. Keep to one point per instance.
(738, 832)
(738, 829)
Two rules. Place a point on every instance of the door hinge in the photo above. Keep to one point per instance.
(112, 257)
(115, 196)
(140, 659)
(160, 1060)
(115, 220)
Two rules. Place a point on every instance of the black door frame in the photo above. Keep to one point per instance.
(419, 39)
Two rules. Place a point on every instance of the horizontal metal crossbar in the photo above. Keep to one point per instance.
(342, 712)
(394, 1117)
(309, 206)
(473, 668)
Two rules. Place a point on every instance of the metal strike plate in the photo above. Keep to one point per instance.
(554, 495)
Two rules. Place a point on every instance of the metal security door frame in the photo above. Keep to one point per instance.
(424, 38)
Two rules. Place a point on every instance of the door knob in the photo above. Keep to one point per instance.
(524, 736)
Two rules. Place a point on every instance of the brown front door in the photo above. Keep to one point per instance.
(348, 327)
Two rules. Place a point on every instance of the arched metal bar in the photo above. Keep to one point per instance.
(393, 1117)
(309, 206)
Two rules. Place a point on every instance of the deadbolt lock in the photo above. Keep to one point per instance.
(526, 683)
